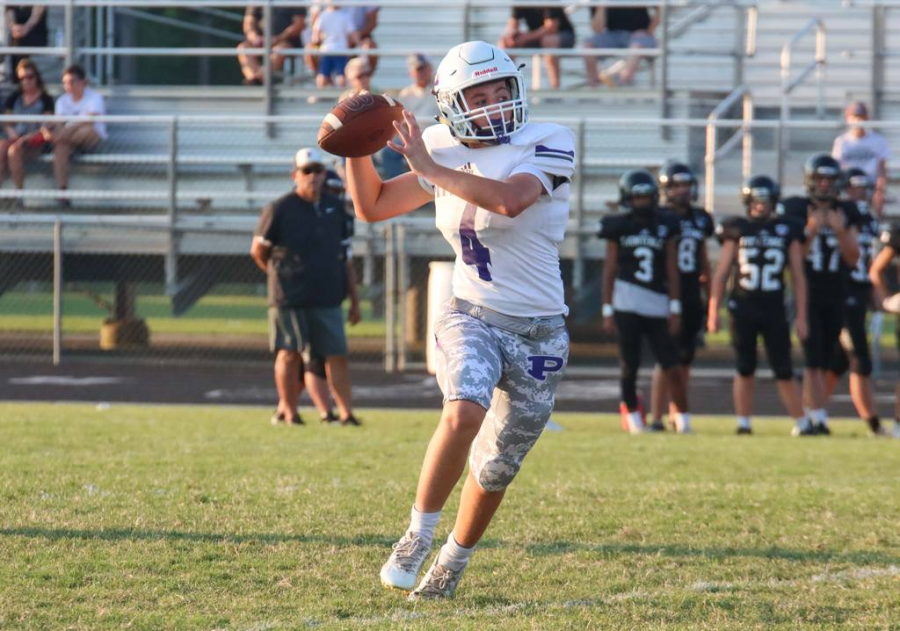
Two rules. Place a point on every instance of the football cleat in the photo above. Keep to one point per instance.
(656, 426)
(743, 430)
(439, 582)
(402, 567)
(897, 429)
(821, 429)
(875, 427)
(804, 428)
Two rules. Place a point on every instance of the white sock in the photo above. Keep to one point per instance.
(683, 422)
(453, 555)
(820, 416)
(744, 421)
(801, 422)
(424, 523)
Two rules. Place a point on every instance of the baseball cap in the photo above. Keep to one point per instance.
(308, 156)
(417, 60)
(857, 108)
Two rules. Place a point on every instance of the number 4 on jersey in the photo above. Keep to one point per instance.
(473, 251)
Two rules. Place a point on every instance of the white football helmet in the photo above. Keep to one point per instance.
(470, 64)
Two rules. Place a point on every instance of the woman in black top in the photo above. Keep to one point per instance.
(27, 27)
(619, 28)
(24, 139)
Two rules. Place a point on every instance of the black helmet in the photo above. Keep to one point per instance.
(638, 183)
(760, 188)
(822, 165)
(857, 178)
(677, 173)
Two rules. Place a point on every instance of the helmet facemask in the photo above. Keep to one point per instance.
(463, 120)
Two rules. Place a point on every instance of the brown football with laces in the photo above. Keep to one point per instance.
(360, 125)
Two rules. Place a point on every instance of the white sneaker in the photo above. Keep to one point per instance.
(439, 582)
(402, 567)
(896, 429)
(683, 426)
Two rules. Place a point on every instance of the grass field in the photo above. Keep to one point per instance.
(209, 518)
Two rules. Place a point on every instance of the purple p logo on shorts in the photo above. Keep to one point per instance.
(542, 364)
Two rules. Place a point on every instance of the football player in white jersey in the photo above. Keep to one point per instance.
(501, 191)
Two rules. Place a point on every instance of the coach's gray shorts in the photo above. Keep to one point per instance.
(510, 366)
(318, 331)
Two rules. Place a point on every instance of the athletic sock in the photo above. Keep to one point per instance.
(802, 422)
(424, 524)
(743, 422)
(453, 555)
(683, 422)
(635, 420)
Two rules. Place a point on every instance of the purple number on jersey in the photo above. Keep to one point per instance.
(473, 251)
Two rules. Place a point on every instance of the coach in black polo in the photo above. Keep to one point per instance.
(302, 242)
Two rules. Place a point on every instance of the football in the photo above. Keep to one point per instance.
(359, 126)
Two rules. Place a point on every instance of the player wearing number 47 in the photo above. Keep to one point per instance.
(500, 185)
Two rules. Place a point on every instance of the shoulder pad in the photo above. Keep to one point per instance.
(729, 229)
(611, 226)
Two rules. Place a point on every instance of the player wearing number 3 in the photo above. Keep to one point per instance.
(501, 191)
(763, 245)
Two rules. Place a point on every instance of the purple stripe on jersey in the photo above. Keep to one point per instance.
(540, 148)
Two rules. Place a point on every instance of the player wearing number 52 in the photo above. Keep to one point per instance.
(500, 186)
(832, 251)
(763, 245)
(641, 293)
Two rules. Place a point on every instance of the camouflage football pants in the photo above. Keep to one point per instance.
(513, 375)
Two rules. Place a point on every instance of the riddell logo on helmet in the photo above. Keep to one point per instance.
(479, 73)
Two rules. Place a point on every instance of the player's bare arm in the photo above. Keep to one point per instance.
(848, 238)
(510, 197)
(876, 274)
(673, 282)
(375, 200)
(260, 252)
(717, 287)
(610, 267)
(798, 280)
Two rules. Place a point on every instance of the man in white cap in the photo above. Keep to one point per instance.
(302, 243)
(864, 149)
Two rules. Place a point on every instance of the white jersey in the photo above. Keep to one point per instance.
(510, 265)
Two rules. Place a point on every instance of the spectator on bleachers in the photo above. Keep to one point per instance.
(547, 28)
(287, 26)
(358, 76)
(619, 28)
(27, 27)
(66, 138)
(365, 21)
(24, 140)
(333, 30)
(864, 149)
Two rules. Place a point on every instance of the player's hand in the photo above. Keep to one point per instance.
(674, 324)
(609, 325)
(354, 316)
(712, 322)
(411, 146)
(814, 222)
(802, 329)
(834, 220)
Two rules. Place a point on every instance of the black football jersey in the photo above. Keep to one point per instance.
(825, 269)
(642, 247)
(694, 228)
(762, 254)
(869, 230)
(891, 238)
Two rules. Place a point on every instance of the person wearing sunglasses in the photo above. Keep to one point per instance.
(302, 243)
(23, 139)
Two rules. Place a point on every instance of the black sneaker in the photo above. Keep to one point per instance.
(821, 429)
(656, 426)
(296, 420)
(744, 431)
(330, 417)
(351, 420)
(874, 425)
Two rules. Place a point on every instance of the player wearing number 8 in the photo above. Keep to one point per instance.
(641, 292)
(763, 245)
(831, 251)
(501, 191)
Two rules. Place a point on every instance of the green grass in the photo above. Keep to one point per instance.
(209, 518)
(212, 315)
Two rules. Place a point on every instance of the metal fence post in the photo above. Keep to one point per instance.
(747, 140)
(57, 291)
(402, 290)
(267, 67)
(664, 63)
(820, 70)
(390, 296)
(172, 211)
(69, 25)
(879, 15)
(578, 263)
(710, 162)
(467, 18)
